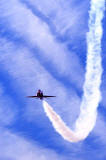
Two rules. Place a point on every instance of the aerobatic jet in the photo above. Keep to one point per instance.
(40, 95)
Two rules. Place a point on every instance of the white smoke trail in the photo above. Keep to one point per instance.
(91, 97)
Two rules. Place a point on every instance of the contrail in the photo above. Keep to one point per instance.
(91, 89)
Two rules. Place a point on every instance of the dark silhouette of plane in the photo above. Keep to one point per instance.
(40, 95)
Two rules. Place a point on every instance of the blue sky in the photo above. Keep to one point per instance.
(43, 45)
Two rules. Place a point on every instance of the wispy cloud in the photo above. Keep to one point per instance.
(15, 147)
(37, 34)
(7, 108)
(63, 15)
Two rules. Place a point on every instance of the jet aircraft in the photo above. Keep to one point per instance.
(40, 95)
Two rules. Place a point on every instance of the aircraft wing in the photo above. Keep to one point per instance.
(31, 96)
(48, 96)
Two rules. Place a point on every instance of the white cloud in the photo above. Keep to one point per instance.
(7, 108)
(36, 32)
(65, 15)
(15, 147)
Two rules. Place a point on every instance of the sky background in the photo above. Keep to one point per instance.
(43, 46)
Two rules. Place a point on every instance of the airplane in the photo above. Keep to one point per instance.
(40, 95)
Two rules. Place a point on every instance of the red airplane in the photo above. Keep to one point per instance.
(40, 95)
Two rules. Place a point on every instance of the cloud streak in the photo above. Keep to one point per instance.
(15, 147)
(8, 111)
(91, 97)
(37, 34)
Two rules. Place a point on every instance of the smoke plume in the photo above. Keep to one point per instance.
(91, 89)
